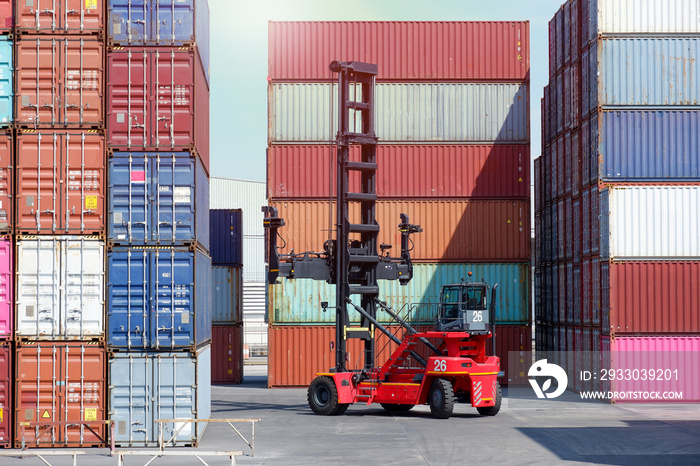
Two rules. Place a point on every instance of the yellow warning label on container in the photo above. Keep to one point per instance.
(90, 414)
(91, 202)
(45, 414)
(90, 4)
(2, 415)
(508, 222)
(230, 372)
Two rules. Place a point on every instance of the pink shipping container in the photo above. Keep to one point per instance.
(158, 100)
(227, 354)
(6, 14)
(6, 181)
(5, 395)
(445, 171)
(6, 289)
(62, 17)
(410, 51)
(454, 231)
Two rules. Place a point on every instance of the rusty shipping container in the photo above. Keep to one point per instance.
(227, 354)
(405, 171)
(453, 231)
(61, 176)
(7, 190)
(59, 82)
(5, 395)
(406, 50)
(652, 297)
(157, 100)
(59, 17)
(60, 382)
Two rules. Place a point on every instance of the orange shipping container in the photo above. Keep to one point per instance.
(453, 230)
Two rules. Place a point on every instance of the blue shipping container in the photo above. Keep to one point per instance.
(299, 301)
(158, 198)
(5, 81)
(660, 145)
(158, 298)
(648, 71)
(226, 237)
(144, 387)
(161, 22)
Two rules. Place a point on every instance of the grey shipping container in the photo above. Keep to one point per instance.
(227, 295)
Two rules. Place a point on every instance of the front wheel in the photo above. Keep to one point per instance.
(323, 397)
(492, 410)
(441, 398)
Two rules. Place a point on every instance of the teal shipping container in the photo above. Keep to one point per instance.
(5, 81)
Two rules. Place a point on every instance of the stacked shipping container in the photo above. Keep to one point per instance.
(158, 264)
(7, 144)
(454, 155)
(617, 198)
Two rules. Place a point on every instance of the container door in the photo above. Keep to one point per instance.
(131, 389)
(127, 21)
(6, 283)
(174, 190)
(84, 183)
(82, 16)
(38, 287)
(172, 320)
(173, 94)
(38, 88)
(173, 22)
(129, 197)
(174, 395)
(82, 96)
(127, 97)
(129, 293)
(5, 80)
(38, 16)
(82, 393)
(83, 288)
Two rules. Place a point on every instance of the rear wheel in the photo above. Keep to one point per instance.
(323, 397)
(492, 410)
(441, 398)
(396, 408)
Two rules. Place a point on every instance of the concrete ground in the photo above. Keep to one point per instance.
(526, 431)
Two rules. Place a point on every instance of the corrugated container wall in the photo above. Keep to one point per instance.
(6, 401)
(7, 14)
(7, 275)
(144, 387)
(63, 17)
(643, 16)
(226, 233)
(158, 198)
(227, 295)
(227, 354)
(7, 181)
(410, 51)
(6, 80)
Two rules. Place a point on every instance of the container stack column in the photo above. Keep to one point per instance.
(158, 263)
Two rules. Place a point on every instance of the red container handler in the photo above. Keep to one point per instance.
(5, 394)
(227, 354)
(157, 100)
(7, 188)
(426, 171)
(403, 50)
(59, 17)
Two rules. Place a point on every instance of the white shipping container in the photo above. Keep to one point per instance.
(644, 16)
(60, 287)
(650, 222)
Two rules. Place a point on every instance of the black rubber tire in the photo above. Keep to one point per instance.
(396, 408)
(441, 398)
(492, 410)
(323, 397)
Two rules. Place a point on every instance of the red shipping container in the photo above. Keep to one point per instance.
(561, 275)
(6, 14)
(569, 228)
(59, 82)
(5, 395)
(577, 294)
(477, 171)
(561, 230)
(403, 50)
(561, 166)
(575, 28)
(566, 76)
(568, 163)
(61, 176)
(537, 163)
(158, 100)
(227, 354)
(553, 169)
(60, 382)
(595, 292)
(586, 287)
(511, 342)
(552, 27)
(586, 222)
(575, 164)
(6, 181)
(559, 25)
(653, 297)
(62, 17)
(569, 294)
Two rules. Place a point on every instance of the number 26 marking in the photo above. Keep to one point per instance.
(440, 365)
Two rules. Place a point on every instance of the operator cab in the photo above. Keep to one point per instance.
(464, 308)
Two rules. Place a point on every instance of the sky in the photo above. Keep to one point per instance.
(238, 88)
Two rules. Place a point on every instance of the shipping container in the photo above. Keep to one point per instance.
(644, 16)
(161, 23)
(645, 145)
(59, 17)
(415, 112)
(158, 198)
(61, 182)
(651, 222)
(59, 82)
(405, 50)
(299, 301)
(652, 297)
(226, 236)
(6, 78)
(559, 25)
(552, 30)
(169, 107)
(60, 382)
(6, 401)
(405, 171)
(7, 14)
(6, 292)
(538, 182)
(144, 387)
(158, 298)
(453, 231)
(227, 295)
(7, 182)
(227, 354)
(60, 288)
